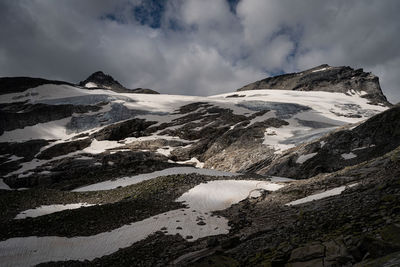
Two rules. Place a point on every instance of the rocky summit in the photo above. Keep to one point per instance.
(326, 78)
(101, 80)
(300, 169)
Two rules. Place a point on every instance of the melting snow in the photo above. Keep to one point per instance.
(91, 85)
(97, 147)
(318, 70)
(328, 193)
(166, 151)
(48, 209)
(3, 185)
(202, 199)
(198, 163)
(126, 181)
(350, 155)
(303, 158)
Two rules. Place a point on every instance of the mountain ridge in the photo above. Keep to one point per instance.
(99, 79)
(342, 79)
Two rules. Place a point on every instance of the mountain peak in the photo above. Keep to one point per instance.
(101, 80)
(326, 78)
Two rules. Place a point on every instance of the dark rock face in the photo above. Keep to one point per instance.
(102, 80)
(18, 115)
(19, 84)
(25, 150)
(144, 91)
(326, 78)
(118, 131)
(64, 148)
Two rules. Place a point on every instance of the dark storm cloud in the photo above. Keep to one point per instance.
(197, 47)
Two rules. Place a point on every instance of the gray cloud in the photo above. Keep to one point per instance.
(208, 50)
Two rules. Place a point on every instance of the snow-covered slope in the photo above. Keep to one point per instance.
(229, 132)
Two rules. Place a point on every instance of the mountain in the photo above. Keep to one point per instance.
(329, 79)
(306, 174)
(19, 84)
(101, 80)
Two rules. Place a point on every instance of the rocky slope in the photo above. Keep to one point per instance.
(107, 178)
(326, 78)
(344, 147)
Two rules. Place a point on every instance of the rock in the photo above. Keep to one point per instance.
(307, 252)
(326, 78)
(19, 84)
(230, 243)
(336, 253)
(17, 116)
(310, 263)
(64, 148)
(101, 80)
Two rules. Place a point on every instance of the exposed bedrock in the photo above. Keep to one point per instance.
(19, 115)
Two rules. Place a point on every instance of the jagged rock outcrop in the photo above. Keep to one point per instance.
(101, 80)
(329, 79)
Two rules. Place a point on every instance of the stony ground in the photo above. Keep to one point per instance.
(360, 227)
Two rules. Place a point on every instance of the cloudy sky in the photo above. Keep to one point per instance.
(198, 47)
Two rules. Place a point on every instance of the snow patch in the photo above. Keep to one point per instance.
(303, 158)
(126, 181)
(91, 85)
(48, 209)
(3, 185)
(198, 163)
(97, 147)
(321, 69)
(350, 155)
(202, 200)
(166, 151)
(328, 193)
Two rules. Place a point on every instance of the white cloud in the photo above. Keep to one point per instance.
(213, 51)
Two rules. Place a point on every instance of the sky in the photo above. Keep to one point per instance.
(198, 47)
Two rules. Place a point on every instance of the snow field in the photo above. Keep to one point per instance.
(201, 201)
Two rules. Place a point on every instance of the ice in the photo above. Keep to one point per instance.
(48, 209)
(303, 158)
(328, 193)
(126, 181)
